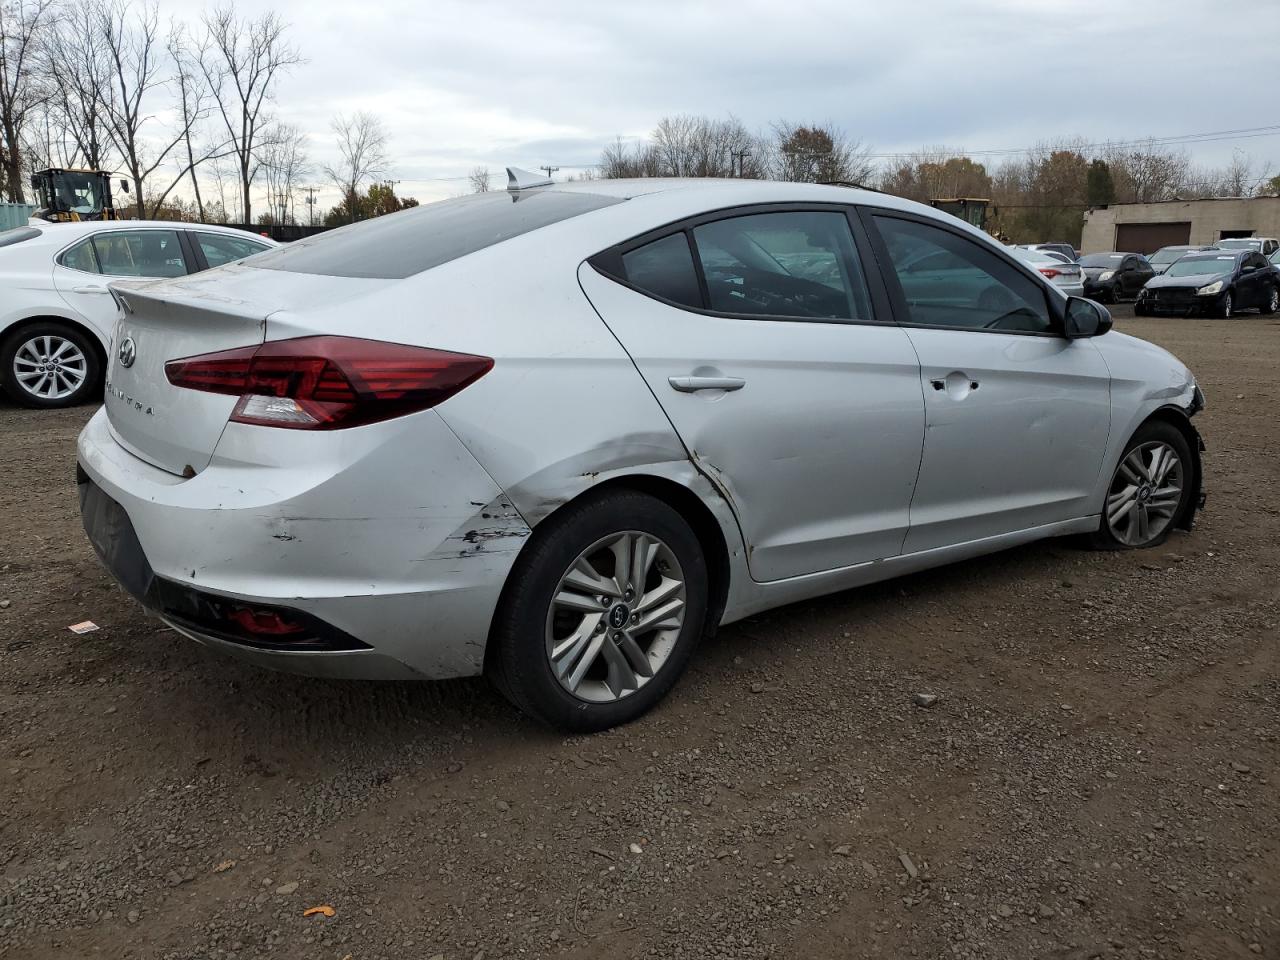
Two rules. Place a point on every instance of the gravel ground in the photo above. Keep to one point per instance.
(1097, 778)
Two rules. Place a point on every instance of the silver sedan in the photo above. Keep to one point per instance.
(558, 434)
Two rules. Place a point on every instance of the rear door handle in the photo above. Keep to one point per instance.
(694, 384)
(101, 290)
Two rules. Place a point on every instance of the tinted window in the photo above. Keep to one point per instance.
(140, 253)
(80, 257)
(9, 237)
(218, 248)
(974, 288)
(402, 244)
(799, 265)
(665, 269)
(1102, 260)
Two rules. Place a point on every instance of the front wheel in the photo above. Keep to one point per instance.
(49, 365)
(1149, 489)
(1226, 307)
(601, 613)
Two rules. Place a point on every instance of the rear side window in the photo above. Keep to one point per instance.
(9, 237)
(81, 257)
(140, 253)
(218, 248)
(665, 269)
(798, 265)
(402, 244)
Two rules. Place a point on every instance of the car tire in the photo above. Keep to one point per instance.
(1139, 309)
(1150, 489)
(575, 658)
(1224, 309)
(1272, 302)
(76, 374)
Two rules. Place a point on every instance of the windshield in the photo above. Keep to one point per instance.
(78, 192)
(1102, 260)
(1167, 255)
(1201, 266)
(1240, 243)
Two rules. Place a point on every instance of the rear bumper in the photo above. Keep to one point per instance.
(390, 547)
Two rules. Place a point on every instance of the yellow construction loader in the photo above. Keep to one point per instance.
(75, 195)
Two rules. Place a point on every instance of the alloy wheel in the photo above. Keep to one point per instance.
(1226, 307)
(1145, 493)
(1273, 302)
(615, 616)
(50, 367)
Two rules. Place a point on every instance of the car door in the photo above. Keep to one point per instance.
(1017, 416)
(760, 336)
(82, 271)
(1250, 287)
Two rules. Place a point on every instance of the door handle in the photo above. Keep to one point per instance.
(98, 290)
(694, 384)
(942, 384)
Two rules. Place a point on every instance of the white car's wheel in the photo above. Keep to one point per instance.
(1149, 489)
(49, 365)
(601, 613)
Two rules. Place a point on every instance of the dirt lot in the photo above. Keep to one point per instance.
(1099, 776)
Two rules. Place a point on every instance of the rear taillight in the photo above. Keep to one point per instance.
(326, 383)
(1050, 272)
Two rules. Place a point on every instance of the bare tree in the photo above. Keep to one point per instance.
(362, 145)
(75, 60)
(818, 154)
(192, 96)
(284, 165)
(241, 62)
(21, 23)
(479, 179)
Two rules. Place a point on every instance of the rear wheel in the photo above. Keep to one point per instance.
(1149, 490)
(601, 613)
(49, 365)
(1271, 303)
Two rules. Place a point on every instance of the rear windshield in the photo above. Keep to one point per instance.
(9, 237)
(1168, 254)
(1240, 244)
(402, 244)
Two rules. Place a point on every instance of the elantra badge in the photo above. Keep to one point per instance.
(128, 352)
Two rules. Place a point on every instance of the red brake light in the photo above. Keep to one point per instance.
(1050, 272)
(326, 383)
(266, 623)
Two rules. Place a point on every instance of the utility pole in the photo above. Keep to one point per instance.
(549, 171)
(311, 206)
(740, 156)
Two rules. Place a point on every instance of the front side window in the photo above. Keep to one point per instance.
(798, 265)
(218, 248)
(140, 253)
(80, 257)
(665, 269)
(950, 281)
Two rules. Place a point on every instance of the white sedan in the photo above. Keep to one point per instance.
(56, 313)
(557, 434)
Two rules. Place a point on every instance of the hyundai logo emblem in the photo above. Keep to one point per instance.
(128, 352)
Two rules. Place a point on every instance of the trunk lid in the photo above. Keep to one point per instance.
(170, 427)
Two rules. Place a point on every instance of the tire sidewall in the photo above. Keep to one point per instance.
(9, 381)
(1167, 433)
(526, 675)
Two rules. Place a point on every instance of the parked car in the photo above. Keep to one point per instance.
(559, 440)
(1161, 259)
(1217, 284)
(1275, 258)
(1112, 277)
(56, 313)
(1066, 249)
(1264, 245)
(1051, 264)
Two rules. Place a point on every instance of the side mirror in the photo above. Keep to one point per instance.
(1084, 318)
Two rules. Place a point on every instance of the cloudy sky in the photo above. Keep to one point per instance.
(492, 82)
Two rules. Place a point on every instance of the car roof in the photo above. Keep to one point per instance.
(65, 232)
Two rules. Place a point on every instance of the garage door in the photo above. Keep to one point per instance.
(1150, 237)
